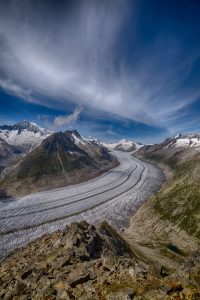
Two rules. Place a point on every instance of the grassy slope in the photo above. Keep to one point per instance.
(179, 201)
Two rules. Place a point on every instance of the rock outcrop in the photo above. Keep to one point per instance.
(87, 262)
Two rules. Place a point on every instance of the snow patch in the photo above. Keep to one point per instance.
(77, 140)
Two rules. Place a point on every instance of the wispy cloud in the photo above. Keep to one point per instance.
(75, 52)
(13, 89)
(112, 132)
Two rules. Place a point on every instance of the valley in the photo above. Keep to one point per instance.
(114, 196)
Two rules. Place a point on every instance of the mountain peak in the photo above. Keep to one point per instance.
(177, 136)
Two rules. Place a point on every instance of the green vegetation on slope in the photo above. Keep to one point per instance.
(179, 201)
(163, 157)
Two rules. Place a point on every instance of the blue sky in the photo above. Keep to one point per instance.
(111, 69)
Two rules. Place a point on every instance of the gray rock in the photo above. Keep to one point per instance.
(88, 287)
(139, 270)
(185, 291)
(63, 294)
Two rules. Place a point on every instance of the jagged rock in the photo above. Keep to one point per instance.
(42, 265)
(63, 262)
(109, 259)
(185, 291)
(125, 294)
(88, 287)
(26, 274)
(79, 279)
(112, 239)
(188, 270)
(48, 270)
(20, 288)
(170, 286)
(63, 294)
(139, 270)
(155, 269)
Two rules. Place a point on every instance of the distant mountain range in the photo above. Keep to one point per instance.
(41, 158)
(24, 135)
(122, 145)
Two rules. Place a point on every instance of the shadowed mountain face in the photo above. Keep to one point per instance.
(60, 159)
(6, 150)
(16, 141)
(172, 151)
(9, 154)
(59, 153)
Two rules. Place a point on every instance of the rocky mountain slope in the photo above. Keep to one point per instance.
(8, 154)
(61, 158)
(16, 141)
(122, 145)
(172, 216)
(86, 262)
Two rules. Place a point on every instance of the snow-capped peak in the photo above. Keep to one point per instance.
(123, 145)
(177, 136)
(93, 140)
(25, 134)
(30, 126)
(188, 140)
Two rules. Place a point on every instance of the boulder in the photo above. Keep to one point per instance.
(79, 279)
(171, 286)
(62, 263)
(155, 269)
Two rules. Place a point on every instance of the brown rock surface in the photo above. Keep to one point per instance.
(87, 262)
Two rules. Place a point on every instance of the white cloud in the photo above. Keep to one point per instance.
(61, 121)
(68, 119)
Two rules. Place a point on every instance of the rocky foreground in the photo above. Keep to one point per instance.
(87, 262)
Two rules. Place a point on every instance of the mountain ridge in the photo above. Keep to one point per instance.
(62, 158)
(122, 145)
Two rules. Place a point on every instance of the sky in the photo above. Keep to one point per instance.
(112, 69)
